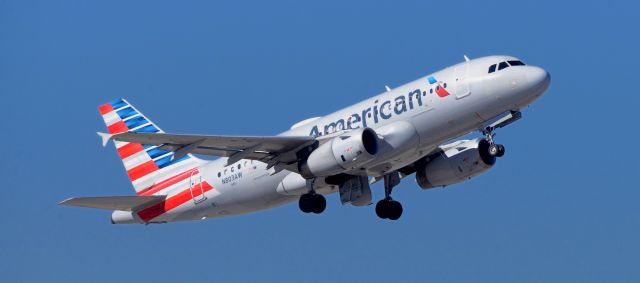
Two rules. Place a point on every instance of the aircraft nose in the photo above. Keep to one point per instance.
(538, 78)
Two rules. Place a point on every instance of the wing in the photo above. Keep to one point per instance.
(128, 203)
(272, 150)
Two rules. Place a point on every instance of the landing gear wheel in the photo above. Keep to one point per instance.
(394, 210)
(381, 209)
(493, 149)
(312, 203)
(305, 203)
(389, 209)
(500, 150)
(319, 204)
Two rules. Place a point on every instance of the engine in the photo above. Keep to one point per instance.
(341, 154)
(459, 163)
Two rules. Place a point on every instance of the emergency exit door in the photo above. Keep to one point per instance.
(195, 186)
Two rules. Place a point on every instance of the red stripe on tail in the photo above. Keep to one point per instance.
(105, 108)
(129, 149)
(142, 170)
(117, 127)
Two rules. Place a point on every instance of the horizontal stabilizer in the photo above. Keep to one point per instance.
(127, 203)
(105, 138)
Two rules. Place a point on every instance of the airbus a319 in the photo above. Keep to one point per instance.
(413, 129)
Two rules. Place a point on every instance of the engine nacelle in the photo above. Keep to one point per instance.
(341, 154)
(459, 163)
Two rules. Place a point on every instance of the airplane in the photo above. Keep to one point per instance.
(410, 129)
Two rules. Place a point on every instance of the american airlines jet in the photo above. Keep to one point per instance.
(411, 129)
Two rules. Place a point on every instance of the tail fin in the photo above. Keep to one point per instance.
(146, 165)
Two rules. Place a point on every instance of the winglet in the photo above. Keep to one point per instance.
(105, 138)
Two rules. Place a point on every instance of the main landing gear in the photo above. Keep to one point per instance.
(312, 202)
(494, 149)
(388, 208)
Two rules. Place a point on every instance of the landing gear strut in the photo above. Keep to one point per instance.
(494, 149)
(388, 208)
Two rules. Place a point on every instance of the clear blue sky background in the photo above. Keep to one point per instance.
(561, 206)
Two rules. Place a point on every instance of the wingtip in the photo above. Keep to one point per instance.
(105, 138)
(64, 202)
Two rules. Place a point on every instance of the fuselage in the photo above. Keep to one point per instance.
(429, 111)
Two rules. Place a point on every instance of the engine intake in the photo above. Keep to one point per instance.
(459, 163)
(341, 154)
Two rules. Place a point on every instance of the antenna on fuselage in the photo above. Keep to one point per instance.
(466, 59)
(387, 88)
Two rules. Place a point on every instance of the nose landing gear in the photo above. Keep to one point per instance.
(388, 208)
(494, 149)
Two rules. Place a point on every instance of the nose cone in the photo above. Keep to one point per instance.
(538, 79)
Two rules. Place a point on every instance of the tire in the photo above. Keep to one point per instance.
(305, 203)
(493, 149)
(501, 150)
(395, 210)
(381, 209)
(319, 204)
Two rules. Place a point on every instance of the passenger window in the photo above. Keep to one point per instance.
(219, 174)
(238, 166)
(492, 68)
(516, 63)
(502, 66)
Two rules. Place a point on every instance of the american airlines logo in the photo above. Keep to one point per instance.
(382, 110)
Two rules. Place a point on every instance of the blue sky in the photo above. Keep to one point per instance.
(562, 205)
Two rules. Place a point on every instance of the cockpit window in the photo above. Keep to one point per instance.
(502, 65)
(516, 63)
(492, 68)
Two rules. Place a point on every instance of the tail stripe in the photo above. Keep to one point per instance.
(129, 149)
(105, 108)
(146, 129)
(135, 160)
(135, 121)
(142, 170)
(156, 152)
(117, 127)
(126, 112)
(110, 118)
(118, 103)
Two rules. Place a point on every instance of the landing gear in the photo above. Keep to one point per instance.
(389, 208)
(312, 202)
(494, 149)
